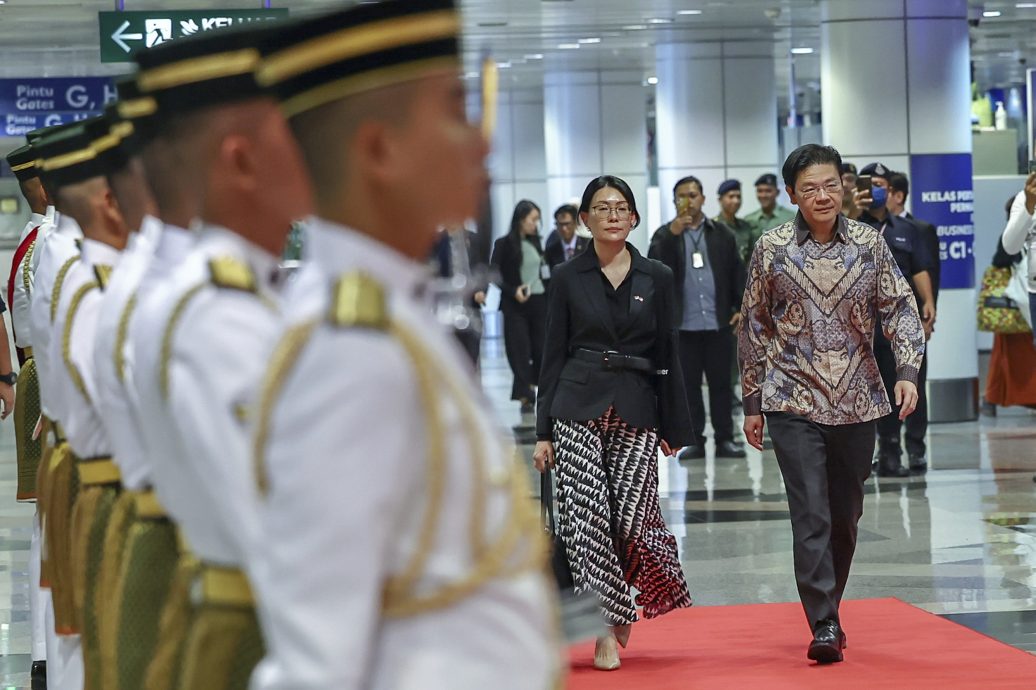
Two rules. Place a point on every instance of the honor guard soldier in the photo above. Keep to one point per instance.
(90, 203)
(57, 248)
(400, 548)
(770, 213)
(71, 175)
(27, 412)
(202, 342)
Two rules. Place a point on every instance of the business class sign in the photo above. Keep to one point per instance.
(941, 192)
(124, 32)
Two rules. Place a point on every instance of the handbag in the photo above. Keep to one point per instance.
(997, 312)
(558, 558)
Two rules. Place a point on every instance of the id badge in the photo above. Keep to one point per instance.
(697, 260)
(544, 271)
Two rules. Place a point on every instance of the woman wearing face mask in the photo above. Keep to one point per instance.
(522, 273)
(611, 395)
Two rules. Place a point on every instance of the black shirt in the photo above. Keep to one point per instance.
(908, 248)
(618, 301)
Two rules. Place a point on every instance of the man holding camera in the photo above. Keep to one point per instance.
(710, 280)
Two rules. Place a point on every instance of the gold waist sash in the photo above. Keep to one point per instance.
(98, 472)
(222, 586)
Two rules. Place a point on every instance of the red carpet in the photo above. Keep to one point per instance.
(763, 647)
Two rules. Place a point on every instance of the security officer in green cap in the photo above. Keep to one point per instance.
(770, 213)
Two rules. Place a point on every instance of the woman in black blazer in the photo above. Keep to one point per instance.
(522, 274)
(611, 394)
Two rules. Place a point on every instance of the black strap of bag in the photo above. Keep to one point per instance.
(558, 558)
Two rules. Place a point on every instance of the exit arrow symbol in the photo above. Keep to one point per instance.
(120, 34)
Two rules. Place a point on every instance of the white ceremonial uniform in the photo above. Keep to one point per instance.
(219, 346)
(23, 339)
(347, 471)
(19, 295)
(109, 366)
(58, 247)
(85, 434)
(49, 225)
(172, 247)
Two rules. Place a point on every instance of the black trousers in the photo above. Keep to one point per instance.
(710, 353)
(890, 426)
(525, 326)
(824, 468)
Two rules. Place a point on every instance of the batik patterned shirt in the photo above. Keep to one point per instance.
(809, 314)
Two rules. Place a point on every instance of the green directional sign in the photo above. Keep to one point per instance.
(122, 33)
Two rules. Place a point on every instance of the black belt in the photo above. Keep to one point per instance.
(615, 360)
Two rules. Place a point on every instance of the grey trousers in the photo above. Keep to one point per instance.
(824, 469)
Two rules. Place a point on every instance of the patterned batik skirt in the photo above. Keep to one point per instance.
(610, 520)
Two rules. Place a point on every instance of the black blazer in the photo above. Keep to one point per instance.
(578, 317)
(728, 271)
(555, 252)
(507, 264)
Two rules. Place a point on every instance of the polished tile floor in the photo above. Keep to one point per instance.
(959, 542)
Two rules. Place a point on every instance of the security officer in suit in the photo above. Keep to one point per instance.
(202, 342)
(916, 263)
(431, 573)
(916, 425)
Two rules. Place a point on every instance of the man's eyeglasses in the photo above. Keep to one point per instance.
(622, 211)
(831, 189)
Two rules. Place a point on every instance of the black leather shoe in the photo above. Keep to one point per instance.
(828, 643)
(918, 464)
(692, 452)
(891, 466)
(727, 449)
(38, 675)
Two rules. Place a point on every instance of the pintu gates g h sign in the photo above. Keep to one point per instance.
(31, 103)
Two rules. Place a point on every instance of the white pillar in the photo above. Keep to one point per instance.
(896, 88)
(716, 114)
(516, 160)
(595, 124)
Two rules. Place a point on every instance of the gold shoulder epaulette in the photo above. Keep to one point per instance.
(359, 301)
(103, 273)
(231, 273)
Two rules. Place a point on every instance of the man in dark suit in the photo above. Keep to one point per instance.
(564, 243)
(916, 425)
(710, 281)
(458, 252)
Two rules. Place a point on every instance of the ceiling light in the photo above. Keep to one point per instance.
(568, 46)
(1026, 5)
(801, 51)
(660, 20)
(586, 41)
(652, 80)
(634, 27)
(991, 13)
(689, 12)
(534, 56)
(503, 65)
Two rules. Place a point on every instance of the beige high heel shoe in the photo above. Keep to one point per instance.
(622, 634)
(606, 653)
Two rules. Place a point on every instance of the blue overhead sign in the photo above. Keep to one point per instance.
(941, 193)
(28, 104)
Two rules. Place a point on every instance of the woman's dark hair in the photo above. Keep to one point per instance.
(521, 210)
(606, 182)
(807, 156)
